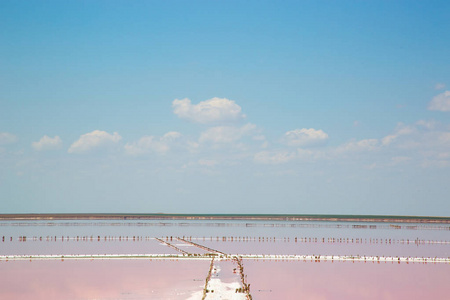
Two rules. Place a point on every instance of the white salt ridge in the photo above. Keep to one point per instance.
(246, 256)
(224, 283)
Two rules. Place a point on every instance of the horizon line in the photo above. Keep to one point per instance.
(224, 216)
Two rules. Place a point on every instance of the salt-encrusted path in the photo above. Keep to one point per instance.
(225, 279)
(225, 282)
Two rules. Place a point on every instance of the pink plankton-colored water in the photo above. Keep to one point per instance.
(101, 279)
(319, 246)
(180, 279)
(185, 278)
(346, 280)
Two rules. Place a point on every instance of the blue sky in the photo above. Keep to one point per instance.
(225, 107)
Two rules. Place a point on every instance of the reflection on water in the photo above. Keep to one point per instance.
(349, 281)
(193, 277)
(322, 246)
(168, 279)
(124, 279)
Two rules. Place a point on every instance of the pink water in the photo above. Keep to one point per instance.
(347, 281)
(178, 279)
(323, 247)
(101, 279)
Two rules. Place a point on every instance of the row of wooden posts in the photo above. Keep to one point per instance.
(328, 240)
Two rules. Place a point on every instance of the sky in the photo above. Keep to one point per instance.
(303, 107)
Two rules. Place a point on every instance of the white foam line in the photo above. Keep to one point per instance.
(350, 258)
(317, 258)
(94, 256)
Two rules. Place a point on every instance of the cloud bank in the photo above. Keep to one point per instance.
(305, 137)
(47, 143)
(226, 134)
(214, 110)
(148, 144)
(440, 102)
(439, 86)
(7, 138)
(92, 140)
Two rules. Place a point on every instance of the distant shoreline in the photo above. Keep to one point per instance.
(226, 217)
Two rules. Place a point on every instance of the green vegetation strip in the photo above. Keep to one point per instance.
(262, 217)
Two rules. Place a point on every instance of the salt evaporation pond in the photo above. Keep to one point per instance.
(187, 259)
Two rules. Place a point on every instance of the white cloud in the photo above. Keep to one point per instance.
(259, 137)
(207, 162)
(426, 124)
(226, 134)
(148, 144)
(7, 138)
(47, 143)
(274, 157)
(192, 146)
(444, 155)
(357, 146)
(439, 86)
(444, 138)
(388, 139)
(400, 159)
(92, 140)
(305, 137)
(425, 143)
(283, 156)
(401, 130)
(440, 102)
(210, 111)
(171, 136)
(309, 154)
(436, 163)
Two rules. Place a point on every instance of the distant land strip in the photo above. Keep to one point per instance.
(226, 217)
